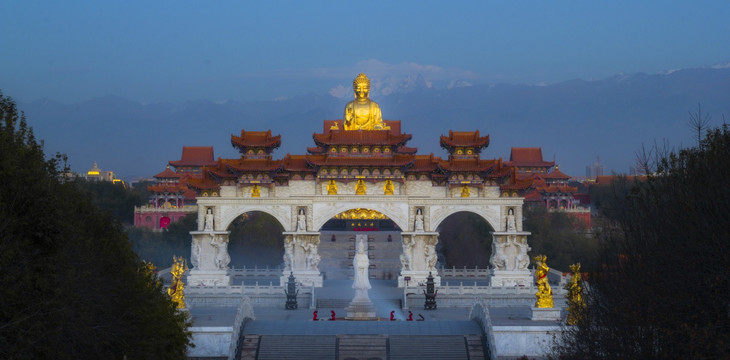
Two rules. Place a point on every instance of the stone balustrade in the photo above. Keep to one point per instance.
(480, 313)
(256, 272)
(464, 272)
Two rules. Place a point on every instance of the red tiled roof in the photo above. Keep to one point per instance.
(533, 196)
(253, 164)
(195, 156)
(464, 138)
(556, 189)
(361, 137)
(256, 139)
(296, 163)
(555, 174)
(167, 188)
(203, 183)
(425, 163)
(316, 150)
(528, 157)
(190, 194)
(396, 160)
(167, 174)
(473, 164)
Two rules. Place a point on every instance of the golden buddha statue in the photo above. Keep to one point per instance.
(363, 113)
(360, 188)
(332, 188)
(388, 188)
(465, 192)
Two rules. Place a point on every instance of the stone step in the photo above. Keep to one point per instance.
(351, 347)
(425, 347)
(299, 347)
(249, 346)
(475, 347)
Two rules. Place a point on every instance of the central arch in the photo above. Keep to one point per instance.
(337, 244)
(396, 212)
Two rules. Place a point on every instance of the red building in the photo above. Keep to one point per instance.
(549, 185)
(171, 198)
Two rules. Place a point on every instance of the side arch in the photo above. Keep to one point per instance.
(282, 214)
(438, 213)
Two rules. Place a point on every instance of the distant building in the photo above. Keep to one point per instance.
(529, 161)
(595, 170)
(549, 185)
(96, 174)
(170, 198)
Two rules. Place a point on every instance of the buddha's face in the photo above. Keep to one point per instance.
(361, 91)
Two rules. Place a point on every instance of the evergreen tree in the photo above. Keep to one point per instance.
(71, 286)
(663, 290)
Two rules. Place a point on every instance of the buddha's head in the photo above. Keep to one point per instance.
(361, 86)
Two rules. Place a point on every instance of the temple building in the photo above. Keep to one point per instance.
(549, 185)
(170, 197)
(360, 167)
(96, 174)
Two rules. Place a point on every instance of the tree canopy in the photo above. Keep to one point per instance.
(663, 288)
(71, 286)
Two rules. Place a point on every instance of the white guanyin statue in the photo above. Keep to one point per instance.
(361, 264)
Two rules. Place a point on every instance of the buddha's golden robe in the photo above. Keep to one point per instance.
(363, 116)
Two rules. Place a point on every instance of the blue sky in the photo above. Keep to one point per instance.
(183, 50)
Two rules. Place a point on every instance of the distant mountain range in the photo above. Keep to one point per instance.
(573, 121)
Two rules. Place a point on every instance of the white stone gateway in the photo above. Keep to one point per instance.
(301, 246)
(368, 166)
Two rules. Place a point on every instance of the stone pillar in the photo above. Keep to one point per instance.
(418, 258)
(209, 258)
(510, 260)
(301, 257)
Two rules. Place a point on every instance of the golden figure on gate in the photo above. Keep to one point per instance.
(332, 188)
(388, 188)
(465, 191)
(360, 188)
(363, 113)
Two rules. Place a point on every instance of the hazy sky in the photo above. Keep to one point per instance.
(183, 50)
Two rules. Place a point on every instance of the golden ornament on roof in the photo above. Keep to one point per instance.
(360, 214)
(363, 113)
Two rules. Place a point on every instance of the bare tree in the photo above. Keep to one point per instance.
(698, 123)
